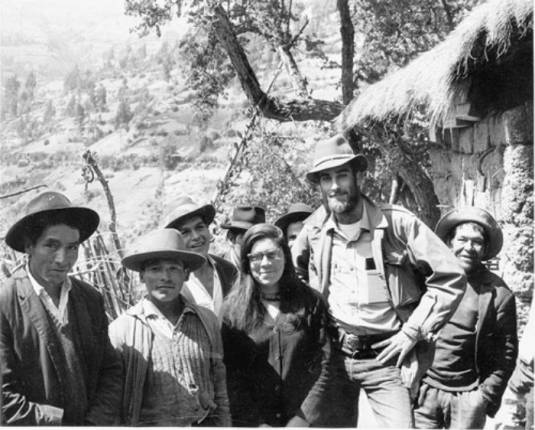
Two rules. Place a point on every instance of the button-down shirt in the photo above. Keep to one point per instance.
(60, 311)
(194, 291)
(358, 297)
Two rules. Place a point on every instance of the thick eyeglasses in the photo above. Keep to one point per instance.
(270, 255)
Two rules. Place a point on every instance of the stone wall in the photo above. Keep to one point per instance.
(490, 165)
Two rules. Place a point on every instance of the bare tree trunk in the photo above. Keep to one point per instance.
(411, 173)
(348, 50)
(272, 108)
(88, 157)
(298, 81)
(396, 188)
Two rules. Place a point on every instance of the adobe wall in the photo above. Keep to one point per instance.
(490, 165)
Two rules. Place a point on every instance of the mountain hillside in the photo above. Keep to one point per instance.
(76, 80)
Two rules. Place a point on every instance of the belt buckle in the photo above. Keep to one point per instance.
(353, 342)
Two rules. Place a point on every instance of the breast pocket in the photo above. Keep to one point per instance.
(373, 284)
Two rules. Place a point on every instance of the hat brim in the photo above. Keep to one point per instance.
(84, 219)
(284, 221)
(239, 225)
(479, 216)
(191, 260)
(359, 161)
(206, 211)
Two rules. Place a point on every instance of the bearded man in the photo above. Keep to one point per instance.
(391, 285)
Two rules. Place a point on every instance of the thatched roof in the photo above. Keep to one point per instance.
(485, 37)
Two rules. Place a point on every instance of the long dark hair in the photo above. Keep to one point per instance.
(243, 306)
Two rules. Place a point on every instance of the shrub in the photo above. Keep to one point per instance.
(206, 143)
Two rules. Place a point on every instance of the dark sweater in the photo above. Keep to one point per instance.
(272, 371)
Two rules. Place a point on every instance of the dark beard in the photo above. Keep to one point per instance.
(338, 207)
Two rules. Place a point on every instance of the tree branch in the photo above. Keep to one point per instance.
(23, 191)
(271, 108)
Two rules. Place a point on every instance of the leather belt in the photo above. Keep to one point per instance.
(360, 346)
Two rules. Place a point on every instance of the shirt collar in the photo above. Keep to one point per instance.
(150, 310)
(39, 289)
(331, 223)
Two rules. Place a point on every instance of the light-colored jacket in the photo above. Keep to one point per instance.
(425, 281)
(131, 335)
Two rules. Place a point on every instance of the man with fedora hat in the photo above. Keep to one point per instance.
(390, 282)
(208, 285)
(291, 223)
(58, 366)
(476, 351)
(243, 218)
(172, 350)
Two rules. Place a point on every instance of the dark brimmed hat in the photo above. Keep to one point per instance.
(51, 205)
(184, 208)
(162, 244)
(479, 216)
(244, 217)
(335, 152)
(296, 212)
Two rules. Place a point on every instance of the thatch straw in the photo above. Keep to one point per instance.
(434, 79)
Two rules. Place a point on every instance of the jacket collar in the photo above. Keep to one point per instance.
(138, 310)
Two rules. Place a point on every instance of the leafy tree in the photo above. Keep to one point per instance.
(101, 102)
(30, 84)
(80, 116)
(49, 113)
(124, 114)
(222, 28)
(396, 31)
(70, 109)
(392, 33)
(11, 91)
(166, 69)
(142, 52)
(72, 80)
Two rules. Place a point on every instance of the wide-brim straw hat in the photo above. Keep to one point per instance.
(184, 208)
(51, 205)
(162, 244)
(244, 217)
(479, 216)
(335, 152)
(296, 212)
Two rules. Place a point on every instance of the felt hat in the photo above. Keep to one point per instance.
(296, 212)
(185, 207)
(162, 244)
(335, 152)
(244, 217)
(479, 216)
(51, 205)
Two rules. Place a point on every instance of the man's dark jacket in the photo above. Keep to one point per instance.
(31, 391)
(496, 337)
(227, 273)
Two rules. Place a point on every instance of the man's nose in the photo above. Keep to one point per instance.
(60, 256)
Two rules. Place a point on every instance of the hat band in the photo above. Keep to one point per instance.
(333, 157)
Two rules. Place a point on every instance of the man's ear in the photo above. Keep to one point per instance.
(186, 274)
(27, 245)
(142, 276)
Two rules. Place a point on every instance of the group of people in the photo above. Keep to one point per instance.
(286, 329)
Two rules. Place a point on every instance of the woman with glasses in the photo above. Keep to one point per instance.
(277, 351)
